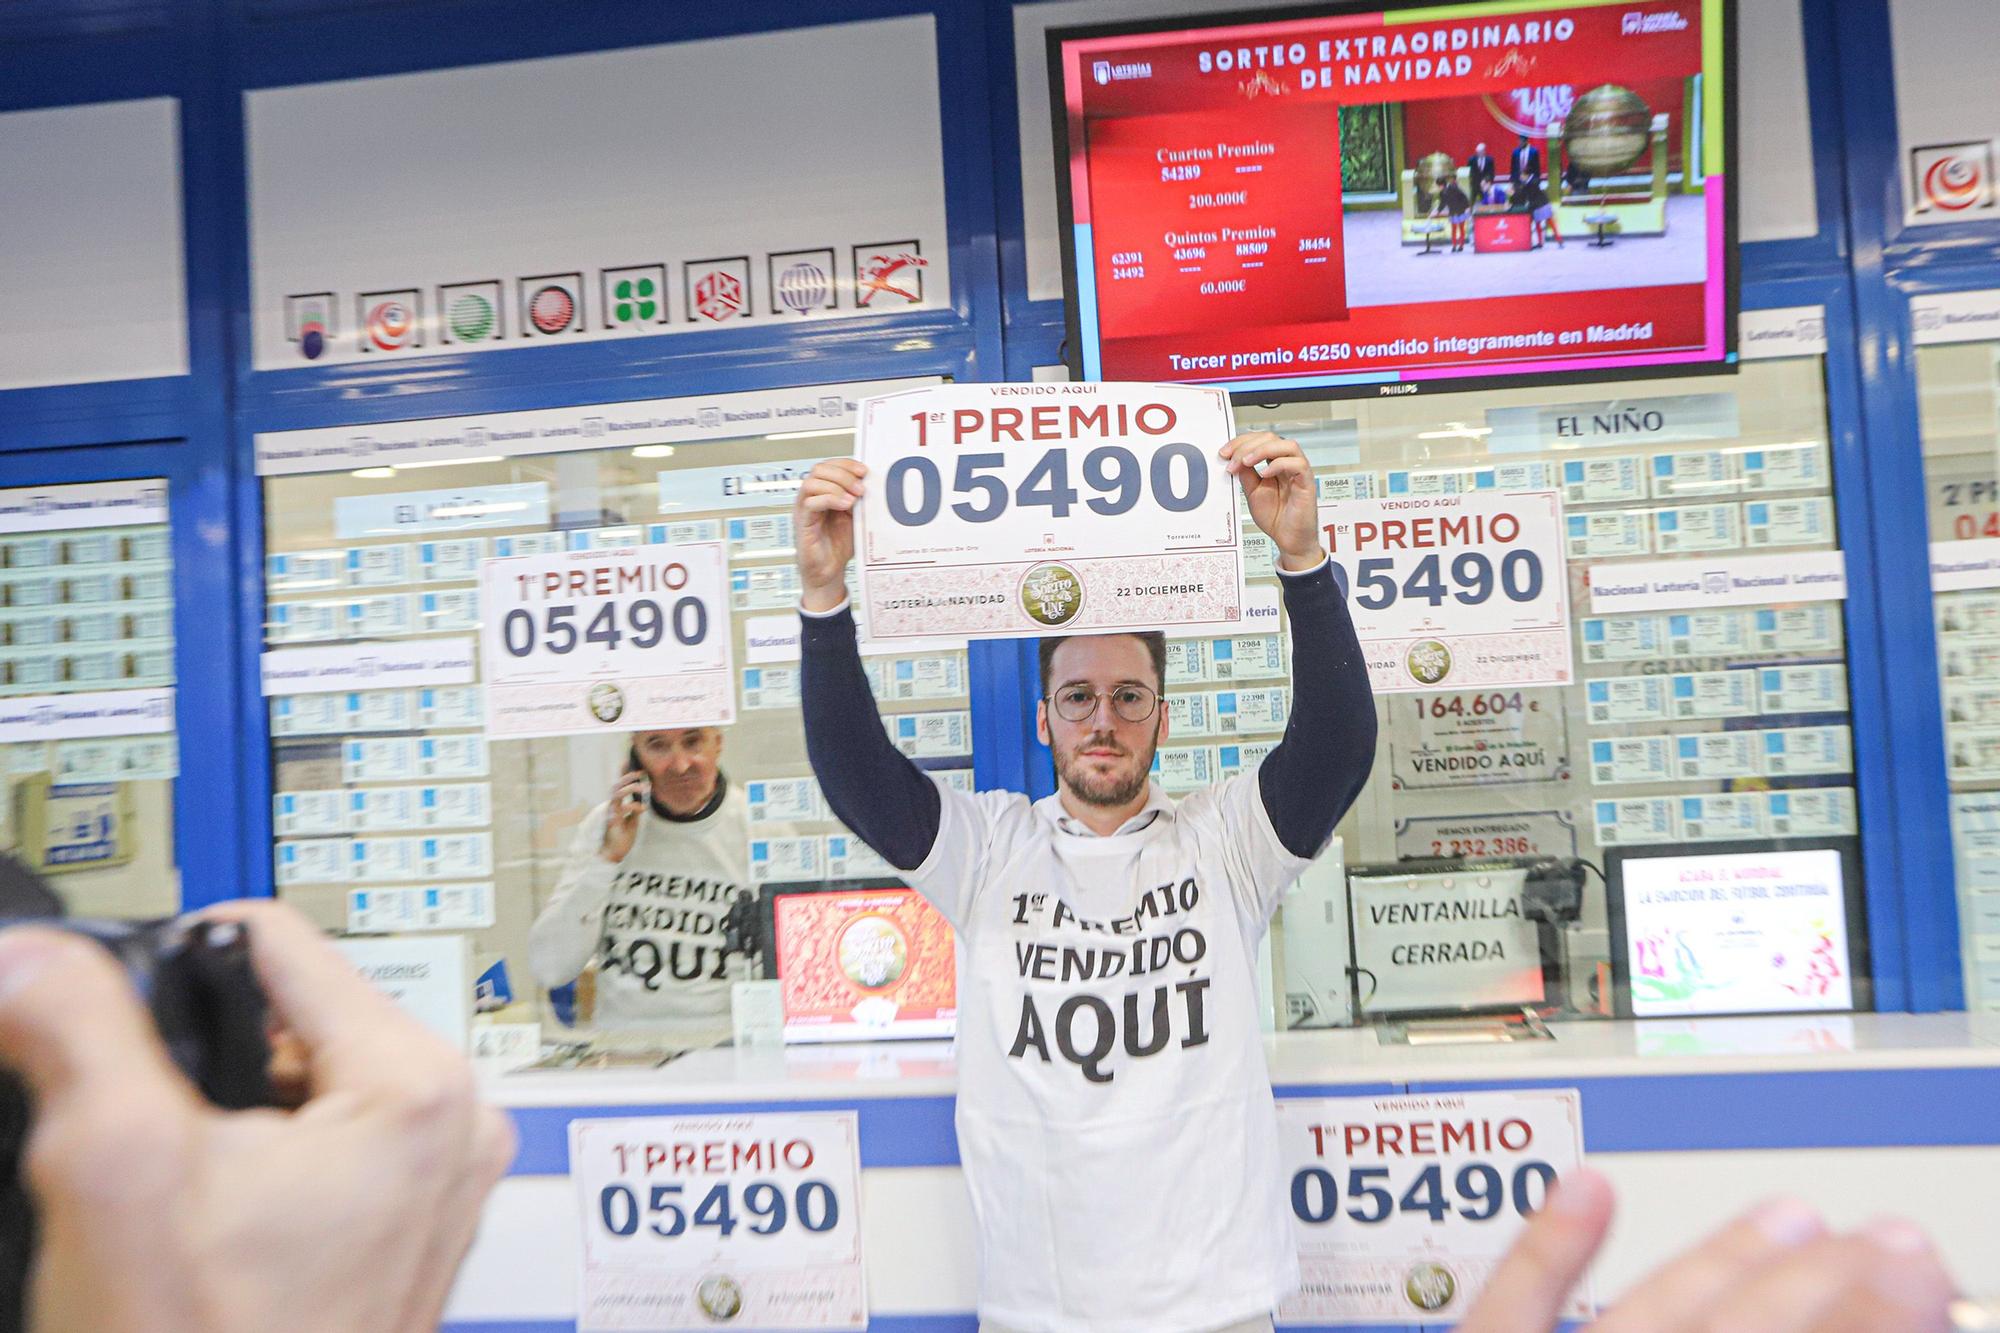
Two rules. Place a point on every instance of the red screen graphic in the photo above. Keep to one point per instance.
(1216, 241)
(1177, 252)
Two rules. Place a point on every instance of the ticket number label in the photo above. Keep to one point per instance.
(1018, 509)
(1404, 1205)
(694, 1222)
(1455, 590)
(619, 640)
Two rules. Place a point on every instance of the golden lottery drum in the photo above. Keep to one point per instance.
(1607, 130)
(1431, 168)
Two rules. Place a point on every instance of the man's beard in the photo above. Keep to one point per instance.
(1093, 789)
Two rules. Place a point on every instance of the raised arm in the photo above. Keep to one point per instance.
(1313, 774)
(871, 786)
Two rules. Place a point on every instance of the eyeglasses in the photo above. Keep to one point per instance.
(1076, 703)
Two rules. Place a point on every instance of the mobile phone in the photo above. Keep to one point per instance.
(633, 766)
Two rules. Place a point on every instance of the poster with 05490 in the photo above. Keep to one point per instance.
(994, 511)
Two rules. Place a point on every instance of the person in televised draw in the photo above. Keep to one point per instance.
(1480, 172)
(1525, 167)
(1115, 1117)
(650, 876)
(1535, 200)
(1456, 206)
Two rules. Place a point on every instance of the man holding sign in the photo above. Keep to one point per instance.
(1115, 1116)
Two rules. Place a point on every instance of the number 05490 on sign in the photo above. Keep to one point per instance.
(593, 641)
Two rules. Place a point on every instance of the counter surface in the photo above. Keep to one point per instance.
(1344, 1058)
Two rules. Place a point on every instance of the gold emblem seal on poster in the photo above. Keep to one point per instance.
(1430, 1286)
(719, 1297)
(1428, 661)
(1052, 594)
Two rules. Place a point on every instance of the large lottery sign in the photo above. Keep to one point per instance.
(1455, 590)
(1403, 1205)
(1001, 510)
(694, 1221)
(594, 641)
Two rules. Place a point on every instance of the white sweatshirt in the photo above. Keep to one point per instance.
(652, 921)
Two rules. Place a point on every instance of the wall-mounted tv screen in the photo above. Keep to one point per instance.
(1370, 202)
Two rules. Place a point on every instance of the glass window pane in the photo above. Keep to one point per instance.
(1962, 480)
(395, 812)
(1690, 721)
(87, 732)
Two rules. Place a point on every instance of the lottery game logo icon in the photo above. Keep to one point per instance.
(718, 296)
(1953, 178)
(551, 309)
(1428, 662)
(804, 287)
(309, 323)
(389, 321)
(605, 701)
(719, 291)
(1429, 1287)
(802, 281)
(471, 318)
(894, 272)
(635, 298)
(1101, 71)
(470, 312)
(551, 304)
(1051, 594)
(719, 1297)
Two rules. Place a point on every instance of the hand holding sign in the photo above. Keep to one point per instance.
(1278, 486)
(823, 521)
(1776, 1269)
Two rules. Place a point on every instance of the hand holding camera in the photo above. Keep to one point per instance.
(160, 1212)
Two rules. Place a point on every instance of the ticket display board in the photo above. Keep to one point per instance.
(1960, 406)
(1690, 691)
(1432, 198)
(88, 739)
(461, 655)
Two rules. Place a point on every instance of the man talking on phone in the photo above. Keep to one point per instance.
(1115, 1118)
(649, 879)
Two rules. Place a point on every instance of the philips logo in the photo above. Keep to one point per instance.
(1106, 72)
(1395, 390)
(1671, 21)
